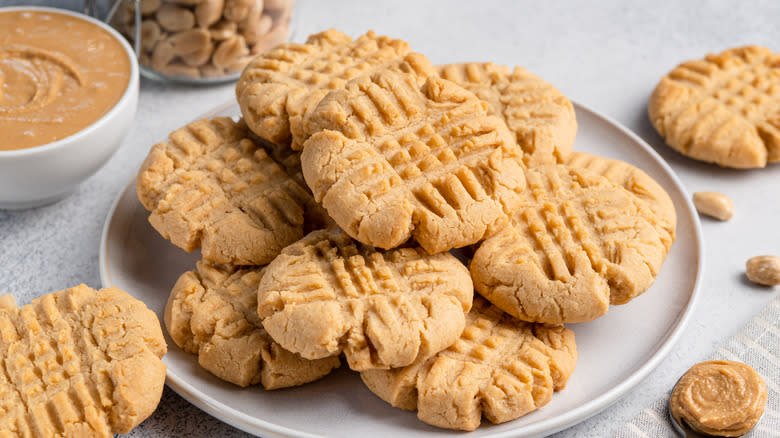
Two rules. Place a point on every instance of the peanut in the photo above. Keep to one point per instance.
(714, 204)
(271, 39)
(764, 270)
(149, 7)
(237, 10)
(174, 18)
(207, 38)
(252, 16)
(163, 54)
(189, 41)
(150, 34)
(181, 70)
(209, 12)
(223, 30)
(254, 26)
(229, 50)
(199, 57)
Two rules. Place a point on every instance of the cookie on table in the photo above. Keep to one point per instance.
(722, 109)
(327, 294)
(211, 187)
(500, 368)
(390, 159)
(539, 115)
(638, 183)
(578, 243)
(77, 363)
(212, 312)
(279, 87)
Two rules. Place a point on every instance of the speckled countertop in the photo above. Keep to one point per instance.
(608, 55)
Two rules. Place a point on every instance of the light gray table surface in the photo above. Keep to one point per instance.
(608, 55)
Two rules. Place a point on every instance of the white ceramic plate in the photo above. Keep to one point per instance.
(615, 352)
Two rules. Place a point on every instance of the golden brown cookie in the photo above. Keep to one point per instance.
(722, 109)
(212, 312)
(78, 363)
(392, 160)
(212, 187)
(539, 115)
(638, 183)
(279, 87)
(326, 294)
(578, 243)
(500, 367)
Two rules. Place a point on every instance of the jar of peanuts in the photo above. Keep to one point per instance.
(201, 40)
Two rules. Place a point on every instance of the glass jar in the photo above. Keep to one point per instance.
(201, 40)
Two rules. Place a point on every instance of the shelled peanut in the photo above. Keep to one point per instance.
(204, 38)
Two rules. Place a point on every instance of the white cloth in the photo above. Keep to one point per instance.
(757, 345)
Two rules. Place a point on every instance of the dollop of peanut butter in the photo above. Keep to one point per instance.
(719, 397)
(58, 75)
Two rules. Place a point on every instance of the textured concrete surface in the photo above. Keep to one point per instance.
(607, 55)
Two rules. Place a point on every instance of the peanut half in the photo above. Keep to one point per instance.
(150, 34)
(175, 18)
(714, 204)
(190, 41)
(764, 270)
(223, 30)
(237, 10)
(229, 51)
(149, 7)
(209, 12)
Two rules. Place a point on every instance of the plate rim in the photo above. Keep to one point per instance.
(254, 425)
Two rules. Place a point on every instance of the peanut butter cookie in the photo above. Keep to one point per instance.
(638, 183)
(539, 115)
(212, 312)
(722, 109)
(279, 87)
(500, 367)
(326, 294)
(212, 187)
(78, 363)
(578, 243)
(391, 160)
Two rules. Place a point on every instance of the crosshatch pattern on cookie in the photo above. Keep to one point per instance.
(212, 312)
(539, 115)
(723, 109)
(391, 160)
(638, 183)
(78, 362)
(314, 215)
(279, 87)
(210, 186)
(326, 294)
(578, 243)
(500, 367)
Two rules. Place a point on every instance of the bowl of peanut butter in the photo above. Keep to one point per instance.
(68, 96)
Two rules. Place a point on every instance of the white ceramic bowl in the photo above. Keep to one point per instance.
(44, 174)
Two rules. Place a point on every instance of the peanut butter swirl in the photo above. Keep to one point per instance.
(43, 74)
(58, 75)
(720, 398)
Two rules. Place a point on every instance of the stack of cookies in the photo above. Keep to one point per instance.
(335, 217)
